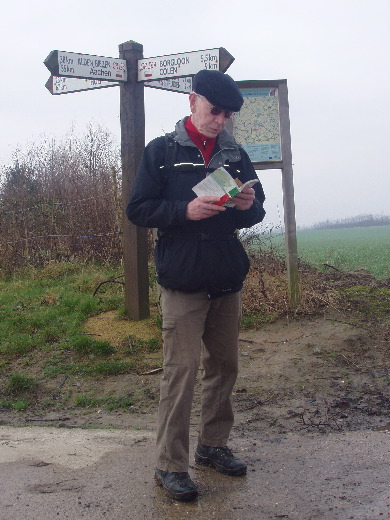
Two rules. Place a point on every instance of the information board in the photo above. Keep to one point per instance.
(257, 126)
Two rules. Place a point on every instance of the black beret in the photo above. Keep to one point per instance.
(218, 88)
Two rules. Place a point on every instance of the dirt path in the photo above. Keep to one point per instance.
(307, 375)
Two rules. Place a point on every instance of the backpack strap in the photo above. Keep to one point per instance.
(170, 155)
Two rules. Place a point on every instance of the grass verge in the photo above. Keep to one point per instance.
(45, 349)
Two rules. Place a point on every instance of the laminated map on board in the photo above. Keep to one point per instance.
(257, 126)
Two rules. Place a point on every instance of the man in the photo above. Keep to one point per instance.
(201, 266)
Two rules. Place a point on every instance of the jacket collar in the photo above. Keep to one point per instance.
(225, 140)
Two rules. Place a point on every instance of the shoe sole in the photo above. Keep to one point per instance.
(181, 497)
(205, 461)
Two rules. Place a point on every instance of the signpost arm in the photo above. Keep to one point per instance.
(288, 197)
(135, 241)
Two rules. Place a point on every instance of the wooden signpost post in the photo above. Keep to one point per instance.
(135, 239)
(74, 72)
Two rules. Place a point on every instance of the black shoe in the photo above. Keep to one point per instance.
(178, 485)
(222, 459)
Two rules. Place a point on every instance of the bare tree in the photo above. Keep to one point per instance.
(59, 200)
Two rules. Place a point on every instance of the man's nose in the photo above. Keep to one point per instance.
(221, 119)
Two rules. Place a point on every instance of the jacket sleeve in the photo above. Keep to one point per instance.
(255, 214)
(147, 206)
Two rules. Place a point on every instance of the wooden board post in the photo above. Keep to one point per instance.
(288, 198)
(135, 239)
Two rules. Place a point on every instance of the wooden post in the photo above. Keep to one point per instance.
(288, 197)
(135, 242)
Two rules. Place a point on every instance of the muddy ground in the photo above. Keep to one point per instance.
(328, 373)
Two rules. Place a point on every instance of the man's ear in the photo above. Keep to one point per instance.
(193, 99)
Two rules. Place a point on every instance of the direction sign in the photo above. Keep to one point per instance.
(73, 65)
(58, 85)
(183, 85)
(184, 64)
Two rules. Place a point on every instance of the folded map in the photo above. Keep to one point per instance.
(221, 184)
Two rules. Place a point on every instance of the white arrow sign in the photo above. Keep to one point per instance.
(183, 85)
(184, 64)
(73, 65)
(59, 85)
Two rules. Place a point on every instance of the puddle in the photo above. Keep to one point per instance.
(382, 428)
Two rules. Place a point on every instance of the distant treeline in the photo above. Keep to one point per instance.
(351, 222)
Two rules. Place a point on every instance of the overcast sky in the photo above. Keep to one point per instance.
(333, 53)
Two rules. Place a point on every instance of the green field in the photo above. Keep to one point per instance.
(348, 249)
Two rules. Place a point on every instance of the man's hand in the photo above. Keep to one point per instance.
(203, 207)
(244, 199)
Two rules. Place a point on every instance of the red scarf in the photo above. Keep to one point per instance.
(205, 144)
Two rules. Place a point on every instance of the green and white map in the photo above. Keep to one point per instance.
(256, 127)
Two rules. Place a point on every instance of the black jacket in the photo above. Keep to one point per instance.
(193, 255)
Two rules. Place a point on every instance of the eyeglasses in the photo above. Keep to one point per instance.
(216, 111)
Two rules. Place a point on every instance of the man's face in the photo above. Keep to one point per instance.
(204, 121)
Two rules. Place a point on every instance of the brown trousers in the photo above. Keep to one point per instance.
(196, 330)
